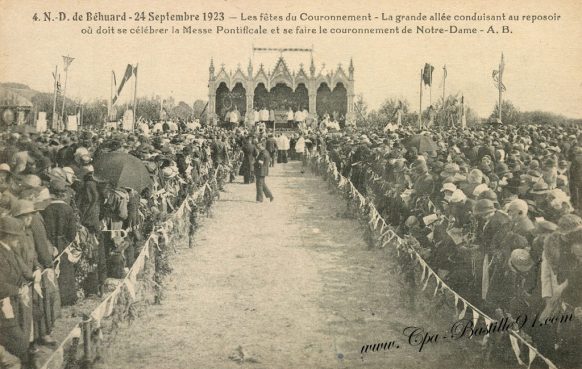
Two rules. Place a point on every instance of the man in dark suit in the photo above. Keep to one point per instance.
(494, 225)
(261, 171)
(219, 152)
(250, 152)
(272, 148)
(219, 157)
(423, 181)
(14, 275)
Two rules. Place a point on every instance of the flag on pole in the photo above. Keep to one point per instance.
(67, 60)
(128, 73)
(427, 74)
(497, 81)
(57, 79)
(445, 71)
(498, 75)
(135, 71)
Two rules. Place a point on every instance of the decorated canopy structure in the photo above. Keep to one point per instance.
(281, 89)
(14, 108)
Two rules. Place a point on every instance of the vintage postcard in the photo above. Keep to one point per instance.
(290, 184)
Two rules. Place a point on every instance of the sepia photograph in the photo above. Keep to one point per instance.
(294, 184)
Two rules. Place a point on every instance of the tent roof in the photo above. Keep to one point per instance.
(8, 97)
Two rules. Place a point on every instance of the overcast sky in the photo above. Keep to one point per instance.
(543, 60)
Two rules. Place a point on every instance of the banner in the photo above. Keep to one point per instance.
(72, 123)
(427, 74)
(127, 124)
(128, 73)
(41, 123)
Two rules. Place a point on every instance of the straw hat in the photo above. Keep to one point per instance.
(521, 260)
(22, 207)
(11, 226)
(458, 196)
(30, 181)
(450, 170)
(484, 207)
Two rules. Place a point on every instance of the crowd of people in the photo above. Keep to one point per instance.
(65, 229)
(495, 210)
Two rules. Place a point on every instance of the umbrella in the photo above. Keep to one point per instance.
(122, 170)
(421, 142)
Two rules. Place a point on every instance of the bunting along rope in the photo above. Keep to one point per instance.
(67, 250)
(50, 272)
(427, 271)
(105, 308)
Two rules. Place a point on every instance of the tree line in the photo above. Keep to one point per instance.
(447, 113)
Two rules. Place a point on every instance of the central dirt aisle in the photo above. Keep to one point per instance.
(284, 284)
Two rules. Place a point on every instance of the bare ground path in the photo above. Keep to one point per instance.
(287, 284)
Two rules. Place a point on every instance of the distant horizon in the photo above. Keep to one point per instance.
(542, 60)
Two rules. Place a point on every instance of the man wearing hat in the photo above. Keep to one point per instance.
(14, 277)
(423, 181)
(48, 310)
(493, 227)
(219, 157)
(261, 172)
(520, 223)
(272, 148)
(250, 152)
(24, 211)
(61, 228)
(451, 170)
(515, 289)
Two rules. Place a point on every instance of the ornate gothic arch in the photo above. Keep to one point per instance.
(339, 76)
(300, 77)
(281, 74)
(261, 77)
(239, 77)
(222, 77)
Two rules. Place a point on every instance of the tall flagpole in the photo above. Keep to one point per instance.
(54, 125)
(134, 98)
(444, 82)
(420, 111)
(67, 61)
(61, 125)
(110, 101)
(500, 85)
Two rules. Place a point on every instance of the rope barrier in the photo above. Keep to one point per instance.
(105, 308)
(514, 335)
